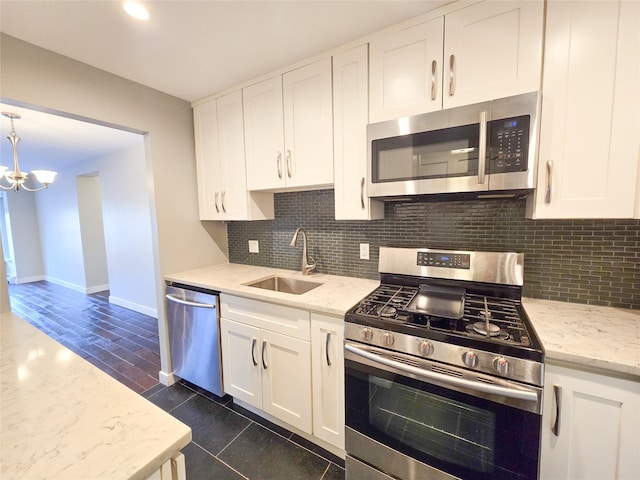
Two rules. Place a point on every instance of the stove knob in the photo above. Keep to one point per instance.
(388, 339)
(367, 334)
(470, 359)
(425, 348)
(501, 365)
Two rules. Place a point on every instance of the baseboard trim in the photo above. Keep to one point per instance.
(35, 278)
(167, 379)
(96, 289)
(136, 307)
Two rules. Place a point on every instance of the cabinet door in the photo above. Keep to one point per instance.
(241, 366)
(406, 72)
(327, 366)
(233, 188)
(286, 379)
(588, 158)
(264, 134)
(492, 50)
(308, 125)
(598, 420)
(207, 161)
(350, 117)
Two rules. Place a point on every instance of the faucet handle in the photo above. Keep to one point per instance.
(312, 265)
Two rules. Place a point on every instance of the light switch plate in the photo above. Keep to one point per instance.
(364, 251)
(254, 246)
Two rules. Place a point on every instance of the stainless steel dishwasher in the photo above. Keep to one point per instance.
(194, 336)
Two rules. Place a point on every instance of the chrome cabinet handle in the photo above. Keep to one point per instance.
(326, 348)
(279, 164)
(434, 67)
(482, 148)
(222, 202)
(216, 201)
(557, 393)
(362, 193)
(452, 66)
(264, 346)
(547, 195)
(253, 352)
(289, 163)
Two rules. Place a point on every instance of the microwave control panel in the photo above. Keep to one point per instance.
(508, 144)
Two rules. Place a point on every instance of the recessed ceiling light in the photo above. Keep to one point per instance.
(136, 10)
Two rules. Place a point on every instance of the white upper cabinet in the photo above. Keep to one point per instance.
(406, 71)
(219, 140)
(288, 129)
(492, 50)
(589, 134)
(205, 123)
(350, 117)
(484, 51)
(264, 134)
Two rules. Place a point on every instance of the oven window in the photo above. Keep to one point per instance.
(446, 429)
(451, 152)
(463, 435)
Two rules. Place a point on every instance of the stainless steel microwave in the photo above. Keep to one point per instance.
(484, 147)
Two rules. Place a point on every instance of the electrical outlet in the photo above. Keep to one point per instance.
(254, 246)
(364, 251)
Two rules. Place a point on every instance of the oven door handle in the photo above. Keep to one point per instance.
(446, 379)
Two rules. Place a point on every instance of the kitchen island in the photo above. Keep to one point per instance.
(61, 417)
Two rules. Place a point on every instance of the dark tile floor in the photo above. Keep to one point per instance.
(120, 342)
(229, 442)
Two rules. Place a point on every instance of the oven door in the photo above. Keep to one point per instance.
(409, 422)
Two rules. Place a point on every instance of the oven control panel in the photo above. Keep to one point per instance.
(446, 260)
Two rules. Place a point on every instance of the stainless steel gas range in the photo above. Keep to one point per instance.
(443, 370)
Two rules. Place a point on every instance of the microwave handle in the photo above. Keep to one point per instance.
(482, 148)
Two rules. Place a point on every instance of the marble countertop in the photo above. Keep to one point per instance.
(590, 336)
(335, 296)
(598, 337)
(61, 417)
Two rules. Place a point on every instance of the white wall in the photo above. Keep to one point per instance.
(61, 237)
(32, 76)
(128, 230)
(94, 250)
(25, 235)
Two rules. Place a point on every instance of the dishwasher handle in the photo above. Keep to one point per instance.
(173, 298)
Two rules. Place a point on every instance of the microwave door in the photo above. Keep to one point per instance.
(444, 160)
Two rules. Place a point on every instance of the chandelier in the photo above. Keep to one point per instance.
(14, 179)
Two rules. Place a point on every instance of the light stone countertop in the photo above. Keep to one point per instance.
(61, 417)
(602, 338)
(335, 296)
(588, 336)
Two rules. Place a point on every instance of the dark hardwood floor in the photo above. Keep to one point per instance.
(121, 342)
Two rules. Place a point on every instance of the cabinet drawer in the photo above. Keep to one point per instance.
(276, 318)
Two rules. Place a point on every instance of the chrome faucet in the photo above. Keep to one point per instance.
(306, 266)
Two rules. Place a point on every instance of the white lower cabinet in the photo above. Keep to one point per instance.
(266, 369)
(327, 366)
(590, 426)
(287, 362)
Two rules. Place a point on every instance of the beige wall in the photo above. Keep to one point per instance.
(38, 78)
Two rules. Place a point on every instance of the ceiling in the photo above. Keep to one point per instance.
(188, 49)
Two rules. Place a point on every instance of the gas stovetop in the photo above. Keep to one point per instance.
(439, 309)
(392, 304)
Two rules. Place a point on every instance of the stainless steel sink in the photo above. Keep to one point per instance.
(283, 284)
